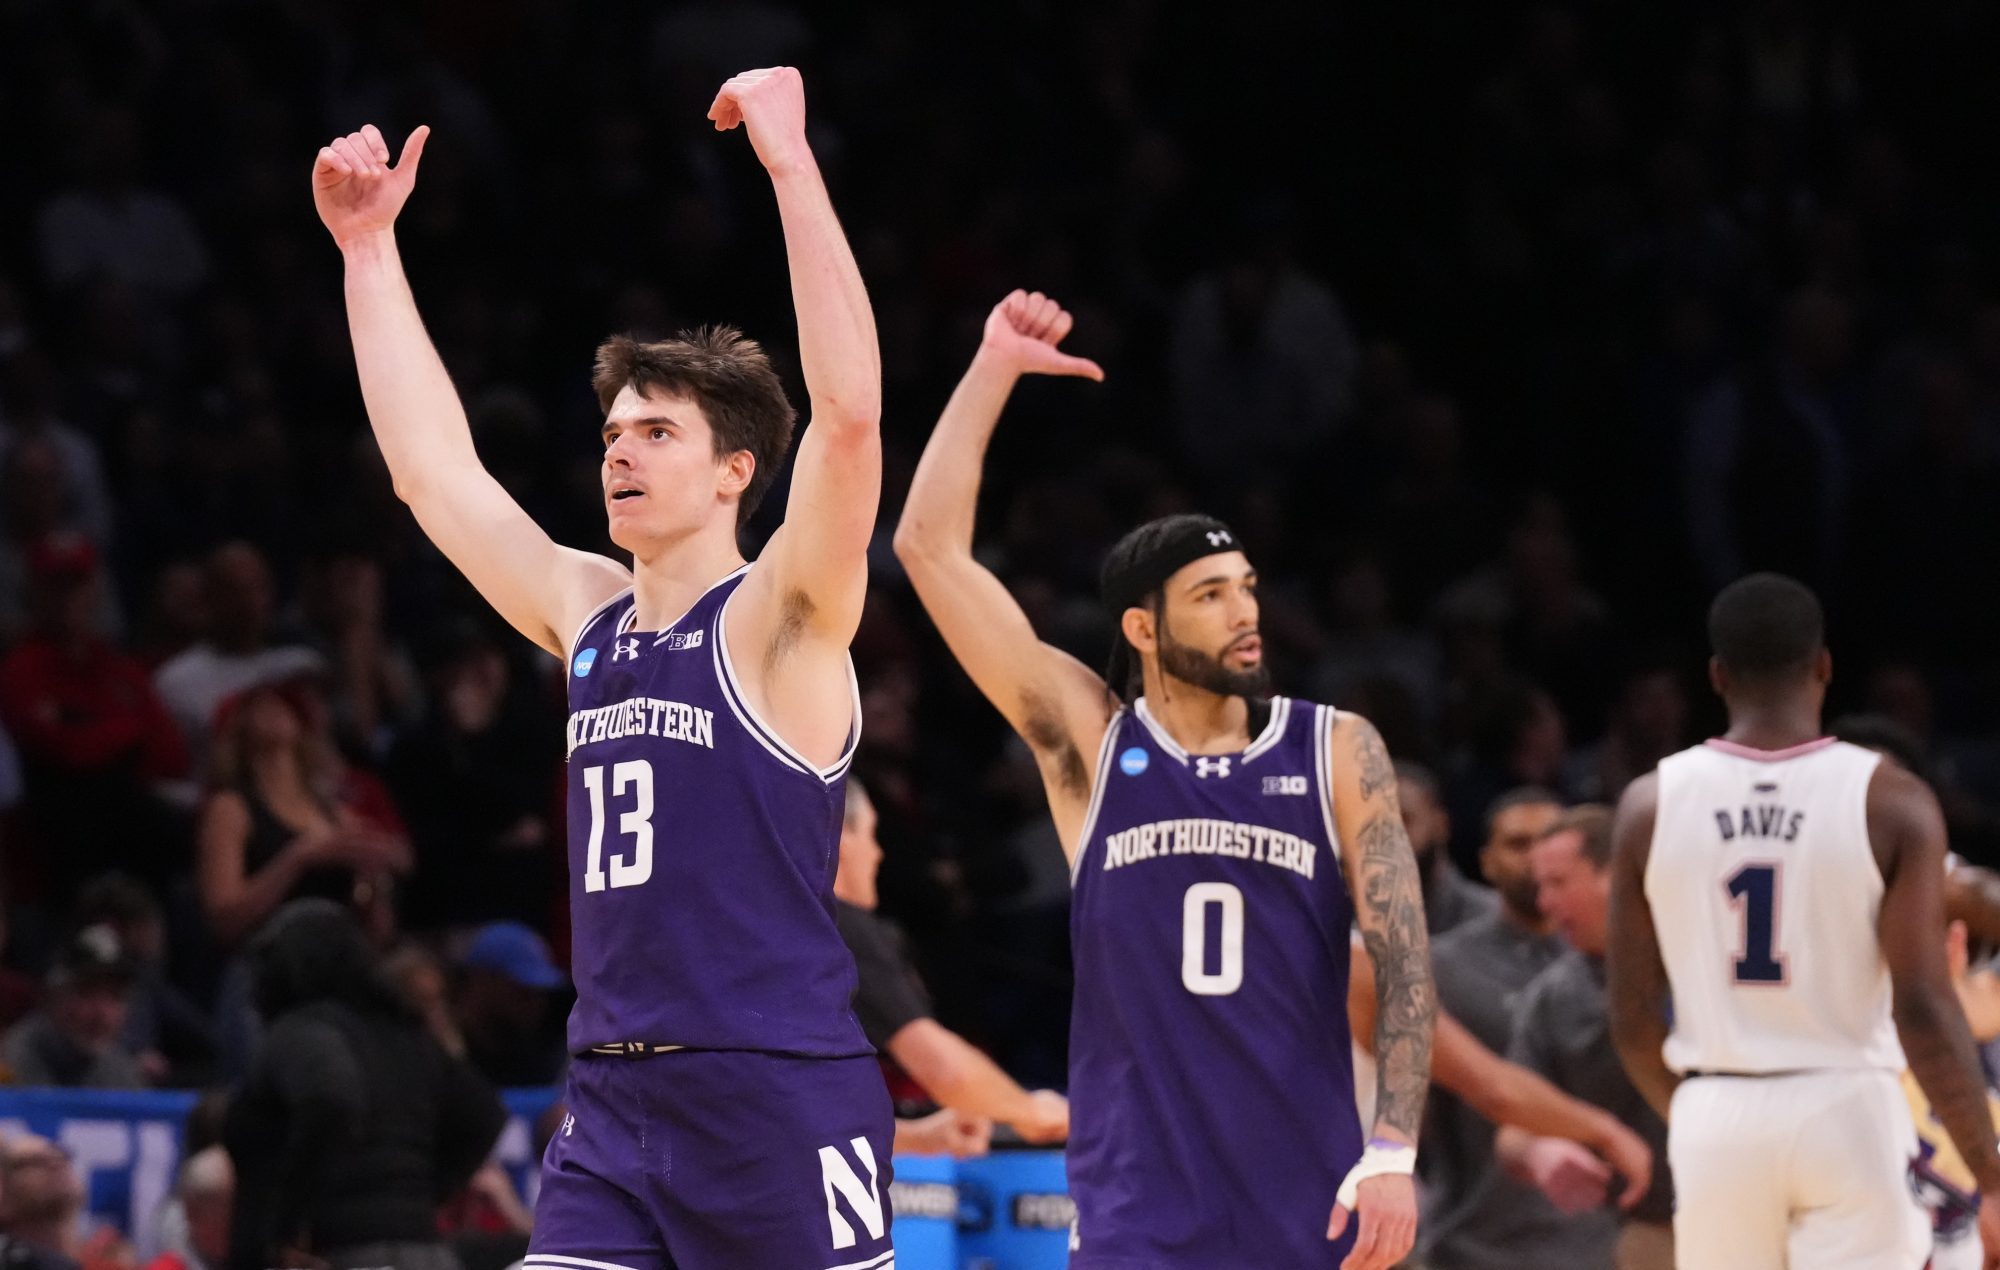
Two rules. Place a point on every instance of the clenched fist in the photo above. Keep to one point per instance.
(771, 106)
(1022, 333)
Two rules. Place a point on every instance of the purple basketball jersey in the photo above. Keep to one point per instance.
(702, 850)
(1211, 1083)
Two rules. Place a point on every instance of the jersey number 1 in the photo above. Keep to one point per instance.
(1755, 887)
(637, 824)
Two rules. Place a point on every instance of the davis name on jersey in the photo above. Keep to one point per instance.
(1765, 892)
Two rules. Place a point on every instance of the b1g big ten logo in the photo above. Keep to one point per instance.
(1284, 784)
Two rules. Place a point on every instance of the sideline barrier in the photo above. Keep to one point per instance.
(1008, 1211)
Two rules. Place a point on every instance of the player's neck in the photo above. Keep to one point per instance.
(667, 583)
(1773, 725)
(1201, 722)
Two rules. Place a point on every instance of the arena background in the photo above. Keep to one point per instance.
(1503, 334)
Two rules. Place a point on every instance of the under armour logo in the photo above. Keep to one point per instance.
(569, 1124)
(1217, 538)
(1211, 767)
(625, 650)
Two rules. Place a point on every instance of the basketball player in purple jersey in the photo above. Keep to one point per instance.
(724, 1110)
(1223, 844)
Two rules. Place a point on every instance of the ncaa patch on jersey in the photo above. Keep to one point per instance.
(584, 661)
(1133, 761)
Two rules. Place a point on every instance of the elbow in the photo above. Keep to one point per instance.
(909, 542)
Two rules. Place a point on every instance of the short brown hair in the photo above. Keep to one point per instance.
(724, 372)
(1593, 822)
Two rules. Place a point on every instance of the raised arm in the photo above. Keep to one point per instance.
(1381, 872)
(1057, 704)
(813, 573)
(1907, 830)
(543, 590)
(1637, 987)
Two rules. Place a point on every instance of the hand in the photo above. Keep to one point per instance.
(1574, 1180)
(1630, 1158)
(771, 105)
(1022, 332)
(1387, 1206)
(1046, 1120)
(1989, 1231)
(354, 188)
(945, 1132)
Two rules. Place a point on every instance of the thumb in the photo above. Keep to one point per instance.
(413, 149)
(1338, 1224)
(1052, 362)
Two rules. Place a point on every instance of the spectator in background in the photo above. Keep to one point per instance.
(36, 503)
(28, 412)
(172, 1036)
(353, 1125)
(195, 1222)
(73, 1040)
(41, 1200)
(1450, 898)
(106, 225)
(95, 739)
(506, 982)
(1519, 740)
(237, 653)
(1481, 969)
(1364, 641)
(1649, 720)
(1563, 1033)
(1264, 345)
(372, 683)
(285, 818)
(895, 1012)
(1770, 453)
(475, 781)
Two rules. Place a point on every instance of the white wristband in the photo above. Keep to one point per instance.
(1379, 1157)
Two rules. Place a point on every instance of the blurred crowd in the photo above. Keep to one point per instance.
(1502, 336)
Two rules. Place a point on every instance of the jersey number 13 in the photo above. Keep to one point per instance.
(628, 868)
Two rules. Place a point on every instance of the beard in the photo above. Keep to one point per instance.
(1205, 670)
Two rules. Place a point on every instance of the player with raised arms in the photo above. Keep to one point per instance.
(723, 1109)
(1775, 952)
(1223, 843)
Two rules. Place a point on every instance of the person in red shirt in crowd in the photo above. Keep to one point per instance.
(100, 753)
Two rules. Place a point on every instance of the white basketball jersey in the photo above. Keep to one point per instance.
(1764, 893)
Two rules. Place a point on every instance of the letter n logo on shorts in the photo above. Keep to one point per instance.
(840, 1181)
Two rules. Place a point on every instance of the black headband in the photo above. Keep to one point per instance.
(1128, 578)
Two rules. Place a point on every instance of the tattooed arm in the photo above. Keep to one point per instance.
(1389, 908)
(1381, 872)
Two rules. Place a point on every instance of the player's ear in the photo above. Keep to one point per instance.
(734, 473)
(1718, 678)
(1137, 623)
(1823, 667)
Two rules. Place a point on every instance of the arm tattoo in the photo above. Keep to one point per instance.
(1390, 910)
(1372, 758)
